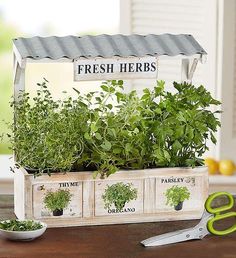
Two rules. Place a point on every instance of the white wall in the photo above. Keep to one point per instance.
(6, 176)
(227, 77)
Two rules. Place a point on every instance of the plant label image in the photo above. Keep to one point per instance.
(118, 198)
(176, 193)
(62, 199)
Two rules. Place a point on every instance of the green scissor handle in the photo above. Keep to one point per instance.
(218, 215)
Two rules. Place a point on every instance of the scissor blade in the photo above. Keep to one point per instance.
(172, 237)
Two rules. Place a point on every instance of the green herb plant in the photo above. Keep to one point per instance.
(176, 195)
(57, 200)
(158, 129)
(109, 130)
(119, 194)
(45, 133)
(17, 225)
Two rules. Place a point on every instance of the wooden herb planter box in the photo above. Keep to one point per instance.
(87, 202)
(76, 199)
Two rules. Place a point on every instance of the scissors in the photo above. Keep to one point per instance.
(203, 228)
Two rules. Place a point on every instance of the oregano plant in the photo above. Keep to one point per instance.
(108, 130)
(118, 195)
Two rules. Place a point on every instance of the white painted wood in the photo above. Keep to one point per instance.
(132, 207)
(149, 201)
(49, 60)
(63, 222)
(19, 194)
(161, 216)
(28, 197)
(90, 210)
(192, 70)
(88, 199)
(19, 59)
(67, 60)
(185, 70)
(19, 78)
(188, 69)
(125, 16)
(227, 78)
(40, 190)
(194, 184)
(115, 68)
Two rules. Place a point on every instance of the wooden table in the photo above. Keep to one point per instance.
(112, 241)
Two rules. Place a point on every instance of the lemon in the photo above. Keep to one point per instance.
(213, 165)
(226, 167)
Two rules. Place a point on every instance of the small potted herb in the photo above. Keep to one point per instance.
(57, 201)
(119, 194)
(176, 195)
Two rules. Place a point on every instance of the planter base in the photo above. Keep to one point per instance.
(87, 204)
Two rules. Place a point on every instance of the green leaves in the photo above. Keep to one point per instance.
(47, 129)
(159, 88)
(19, 225)
(87, 136)
(93, 128)
(98, 136)
(118, 195)
(105, 88)
(57, 200)
(117, 150)
(110, 130)
(176, 195)
(176, 146)
(106, 145)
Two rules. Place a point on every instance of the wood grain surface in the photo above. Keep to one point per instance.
(113, 241)
(87, 205)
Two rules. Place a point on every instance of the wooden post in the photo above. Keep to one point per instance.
(185, 69)
(19, 78)
(192, 70)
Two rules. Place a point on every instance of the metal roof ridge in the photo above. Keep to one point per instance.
(103, 34)
(106, 46)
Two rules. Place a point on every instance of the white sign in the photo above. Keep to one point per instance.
(115, 68)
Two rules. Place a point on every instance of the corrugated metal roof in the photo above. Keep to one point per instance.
(107, 46)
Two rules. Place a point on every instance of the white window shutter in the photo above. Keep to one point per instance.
(170, 16)
(227, 78)
(195, 17)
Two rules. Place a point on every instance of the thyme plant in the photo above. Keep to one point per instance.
(57, 200)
